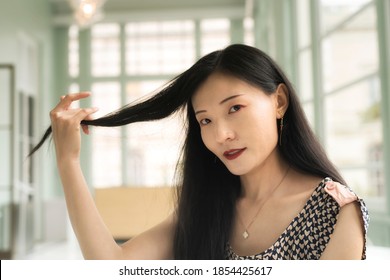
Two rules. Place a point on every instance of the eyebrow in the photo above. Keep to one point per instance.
(220, 103)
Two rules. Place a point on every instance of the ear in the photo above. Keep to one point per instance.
(281, 100)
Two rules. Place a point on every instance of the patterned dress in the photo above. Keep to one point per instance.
(310, 231)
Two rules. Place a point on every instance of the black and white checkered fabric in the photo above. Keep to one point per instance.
(309, 232)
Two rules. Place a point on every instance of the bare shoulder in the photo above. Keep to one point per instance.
(304, 183)
(154, 244)
(297, 193)
(347, 240)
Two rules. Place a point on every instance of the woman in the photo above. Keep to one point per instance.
(254, 181)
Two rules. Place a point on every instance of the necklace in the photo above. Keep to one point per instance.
(245, 234)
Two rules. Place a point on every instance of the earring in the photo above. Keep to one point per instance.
(281, 131)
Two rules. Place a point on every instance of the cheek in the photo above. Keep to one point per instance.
(264, 128)
(207, 139)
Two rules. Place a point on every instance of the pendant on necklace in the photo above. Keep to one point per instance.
(245, 234)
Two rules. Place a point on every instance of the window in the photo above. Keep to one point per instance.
(153, 147)
(352, 91)
(215, 34)
(348, 88)
(159, 47)
(106, 144)
(341, 47)
(73, 55)
(142, 154)
(249, 38)
(305, 63)
(356, 42)
(105, 50)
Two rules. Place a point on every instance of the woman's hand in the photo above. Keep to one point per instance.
(65, 122)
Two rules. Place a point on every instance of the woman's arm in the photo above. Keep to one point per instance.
(94, 239)
(96, 242)
(155, 243)
(347, 240)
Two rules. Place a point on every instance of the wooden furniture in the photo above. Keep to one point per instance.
(128, 211)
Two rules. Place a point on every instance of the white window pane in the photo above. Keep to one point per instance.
(351, 52)
(303, 18)
(305, 65)
(106, 144)
(153, 147)
(366, 182)
(354, 131)
(309, 112)
(73, 53)
(215, 35)
(159, 47)
(105, 50)
(73, 88)
(335, 11)
(249, 37)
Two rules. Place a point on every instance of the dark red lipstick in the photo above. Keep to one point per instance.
(233, 153)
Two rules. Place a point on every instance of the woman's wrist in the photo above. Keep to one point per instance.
(65, 164)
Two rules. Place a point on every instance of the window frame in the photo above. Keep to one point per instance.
(379, 206)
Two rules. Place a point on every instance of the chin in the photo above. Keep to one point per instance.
(238, 171)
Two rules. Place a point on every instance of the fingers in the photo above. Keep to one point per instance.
(72, 117)
(84, 113)
(66, 100)
(65, 113)
(85, 127)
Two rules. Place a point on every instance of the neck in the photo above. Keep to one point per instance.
(263, 179)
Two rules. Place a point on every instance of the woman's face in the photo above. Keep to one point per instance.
(238, 121)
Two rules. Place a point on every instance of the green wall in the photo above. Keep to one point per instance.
(32, 19)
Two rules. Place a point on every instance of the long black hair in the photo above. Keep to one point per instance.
(207, 191)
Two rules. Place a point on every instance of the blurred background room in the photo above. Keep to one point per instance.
(336, 53)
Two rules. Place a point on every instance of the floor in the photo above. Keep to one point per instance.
(55, 251)
(71, 251)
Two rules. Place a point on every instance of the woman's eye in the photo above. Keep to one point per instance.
(204, 121)
(235, 108)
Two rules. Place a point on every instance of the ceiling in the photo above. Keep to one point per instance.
(141, 10)
(61, 7)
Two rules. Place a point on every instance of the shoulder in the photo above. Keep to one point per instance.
(343, 195)
(347, 200)
(348, 239)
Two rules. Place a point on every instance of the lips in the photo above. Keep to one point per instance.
(233, 153)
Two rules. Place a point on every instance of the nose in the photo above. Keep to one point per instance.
(223, 132)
